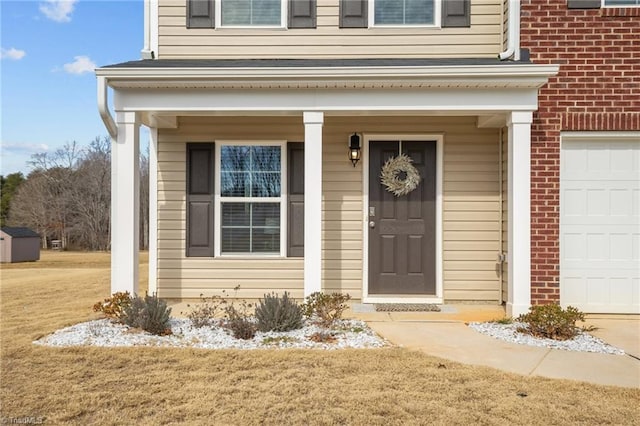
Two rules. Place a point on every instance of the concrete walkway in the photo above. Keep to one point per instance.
(445, 335)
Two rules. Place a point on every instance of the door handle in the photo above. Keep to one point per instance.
(372, 224)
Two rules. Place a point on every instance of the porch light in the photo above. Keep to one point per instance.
(354, 148)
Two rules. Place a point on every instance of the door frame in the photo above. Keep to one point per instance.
(390, 298)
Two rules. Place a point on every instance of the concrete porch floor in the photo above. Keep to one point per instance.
(445, 335)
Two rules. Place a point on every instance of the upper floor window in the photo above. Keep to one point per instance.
(405, 12)
(621, 3)
(251, 13)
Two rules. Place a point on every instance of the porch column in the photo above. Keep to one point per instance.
(125, 204)
(313, 201)
(153, 210)
(519, 217)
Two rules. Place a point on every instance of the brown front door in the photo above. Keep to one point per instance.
(402, 229)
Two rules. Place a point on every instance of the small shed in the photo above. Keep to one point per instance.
(19, 244)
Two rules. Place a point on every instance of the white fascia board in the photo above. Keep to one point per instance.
(470, 101)
(530, 75)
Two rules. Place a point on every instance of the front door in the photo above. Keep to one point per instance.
(402, 229)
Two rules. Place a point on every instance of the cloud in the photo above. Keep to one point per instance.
(81, 65)
(12, 53)
(23, 148)
(58, 10)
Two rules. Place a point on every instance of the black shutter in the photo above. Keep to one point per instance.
(456, 13)
(200, 14)
(584, 4)
(353, 14)
(200, 199)
(302, 13)
(295, 199)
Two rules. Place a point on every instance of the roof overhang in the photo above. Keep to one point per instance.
(524, 76)
(162, 90)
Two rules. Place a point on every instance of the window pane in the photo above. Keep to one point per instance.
(266, 214)
(251, 12)
(266, 185)
(235, 184)
(389, 12)
(266, 240)
(418, 12)
(235, 158)
(236, 12)
(250, 228)
(622, 2)
(265, 158)
(404, 12)
(236, 214)
(266, 12)
(250, 171)
(235, 240)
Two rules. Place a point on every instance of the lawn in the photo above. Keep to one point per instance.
(168, 386)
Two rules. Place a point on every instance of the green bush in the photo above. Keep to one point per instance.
(276, 314)
(113, 307)
(148, 313)
(326, 308)
(239, 321)
(205, 314)
(551, 321)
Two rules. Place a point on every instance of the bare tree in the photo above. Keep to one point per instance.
(68, 196)
(144, 200)
(91, 196)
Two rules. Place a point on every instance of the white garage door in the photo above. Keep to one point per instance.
(600, 224)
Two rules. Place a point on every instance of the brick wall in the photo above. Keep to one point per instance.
(597, 89)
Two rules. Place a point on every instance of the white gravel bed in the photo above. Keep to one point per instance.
(105, 333)
(583, 342)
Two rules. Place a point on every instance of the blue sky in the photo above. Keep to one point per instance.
(49, 49)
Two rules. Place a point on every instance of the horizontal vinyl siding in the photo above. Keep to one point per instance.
(505, 216)
(471, 220)
(483, 39)
(182, 277)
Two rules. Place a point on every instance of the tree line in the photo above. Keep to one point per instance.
(67, 196)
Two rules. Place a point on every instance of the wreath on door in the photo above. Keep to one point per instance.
(399, 175)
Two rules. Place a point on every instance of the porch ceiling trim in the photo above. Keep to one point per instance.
(345, 77)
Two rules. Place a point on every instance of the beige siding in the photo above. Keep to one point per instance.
(471, 217)
(505, 214)
(483, 39)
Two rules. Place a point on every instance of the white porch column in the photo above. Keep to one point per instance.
(125, 204)
(519, 205)
(313, 201)
(153, 210)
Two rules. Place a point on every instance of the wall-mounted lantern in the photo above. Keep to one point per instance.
(354, 148)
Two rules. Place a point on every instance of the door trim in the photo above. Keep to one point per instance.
(390, 298)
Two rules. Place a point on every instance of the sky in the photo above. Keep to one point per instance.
(49, 50)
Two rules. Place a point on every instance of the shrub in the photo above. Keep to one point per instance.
(239, 321)
(113, 307)
(205, 313)
(276, 314)
(148, 313)
(505, 320)
(278, 340)
(551, 321)
(323, 337)
(327, 308)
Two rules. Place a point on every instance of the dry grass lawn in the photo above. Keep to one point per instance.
(168, 386)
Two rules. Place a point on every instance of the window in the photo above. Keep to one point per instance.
(249, 201)
(405, 12)
(251, 13)
(621, 3)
